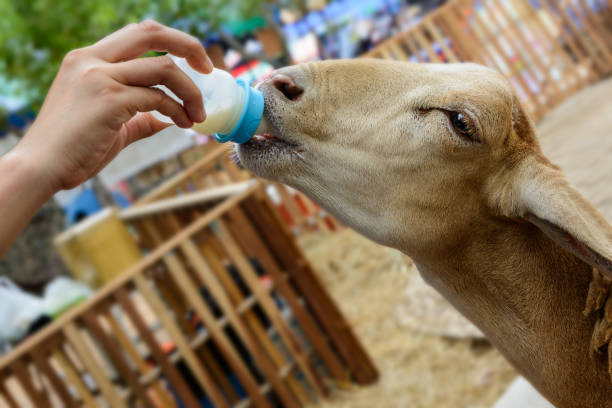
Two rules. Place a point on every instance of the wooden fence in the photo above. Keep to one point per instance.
(215, 169)
(224, 310)
(299, 213)
(548, 49)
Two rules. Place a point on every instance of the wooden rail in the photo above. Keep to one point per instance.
(185, 200)
(548, 49)
(224, 309)
(213, 170)
(216, 169)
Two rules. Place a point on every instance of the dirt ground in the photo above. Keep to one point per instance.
(416, 370)
(577, 136)
(369, 282)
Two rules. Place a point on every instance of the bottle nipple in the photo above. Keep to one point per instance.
(250, 118)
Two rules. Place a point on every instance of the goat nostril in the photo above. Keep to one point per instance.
(287, 87)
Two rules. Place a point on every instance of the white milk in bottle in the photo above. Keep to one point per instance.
(233, 109)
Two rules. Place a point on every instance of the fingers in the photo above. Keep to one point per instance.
(138, 99)
(135, 39)
(161, 70)
(141, 126)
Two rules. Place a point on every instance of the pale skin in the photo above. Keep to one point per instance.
(98, 104)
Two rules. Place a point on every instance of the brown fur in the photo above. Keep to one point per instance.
(491, 223)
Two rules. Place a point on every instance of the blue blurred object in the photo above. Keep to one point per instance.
(83, 205)
(120, 198)
(16, 121)
(316, 22)
(336, 24)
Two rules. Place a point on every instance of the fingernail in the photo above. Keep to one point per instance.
(210, 63)
(183, 123)
(201, 116)
(197, 115)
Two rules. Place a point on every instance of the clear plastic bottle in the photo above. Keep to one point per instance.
(233, 109)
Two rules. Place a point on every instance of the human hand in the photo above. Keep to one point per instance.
(100, 99)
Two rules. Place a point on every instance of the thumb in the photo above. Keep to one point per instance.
(142, 125)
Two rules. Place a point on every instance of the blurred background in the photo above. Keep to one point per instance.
(174, 278)
(247, 38)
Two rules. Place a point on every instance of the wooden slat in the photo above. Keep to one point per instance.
(437, 36)
(71, 332)
(569, 71)
(217, 334)
(417, 33)
(169, 370)
(212, 364)
(548, 85)
(534, 101)
(213, 261)
(127, 346)
(386, 54)
(326, 311)
(171, 294)
(170, 290)
(250, 277)
(185, 200)
(24, 377)
(411, 45)
(205, 162)
(581, 38)
(74, 379)
(597, 34)
(57, 383)
(210, 361)
(6, 394)
(182, 344)
(114, 352)
(234, 172)
(397, 50)
(249, 238)
(214, 286)
(460, 38)
(579, 54)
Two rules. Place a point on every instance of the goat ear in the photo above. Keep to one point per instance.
(542, 195)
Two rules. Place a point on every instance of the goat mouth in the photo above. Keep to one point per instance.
(267, 142)
(264, 150)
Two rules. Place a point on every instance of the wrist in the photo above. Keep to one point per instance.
(27, 172)
(23, 190)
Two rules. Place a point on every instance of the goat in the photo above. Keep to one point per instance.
(440, 162)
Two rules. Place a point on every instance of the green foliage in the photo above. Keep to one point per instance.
(36, 34)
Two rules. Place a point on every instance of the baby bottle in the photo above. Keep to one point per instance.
(233, 109)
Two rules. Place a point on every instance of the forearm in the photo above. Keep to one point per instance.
(23, 190)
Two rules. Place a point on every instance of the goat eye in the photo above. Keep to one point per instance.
(462, 124)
